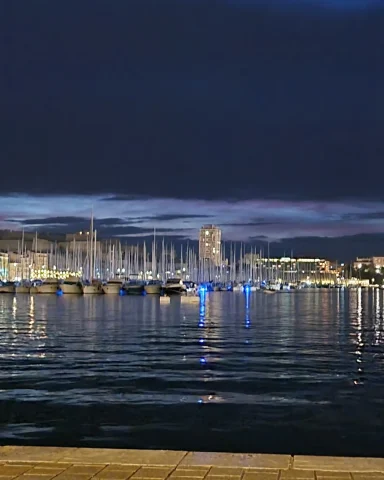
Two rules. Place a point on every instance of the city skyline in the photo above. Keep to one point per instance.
(260, 117)
(136, 219)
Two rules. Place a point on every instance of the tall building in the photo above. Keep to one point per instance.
(210, 244)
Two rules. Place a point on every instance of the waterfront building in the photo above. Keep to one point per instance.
(210, 244)
(368, 262)
(26, 266)
(4, 266)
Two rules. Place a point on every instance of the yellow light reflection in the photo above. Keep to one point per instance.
(14, 308)
(31, 315)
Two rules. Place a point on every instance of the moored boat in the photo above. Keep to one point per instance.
(94, 288)
(153, 287)
(268, 291)
(23, 287)
(113, 287)
(71, 286)
(7, 287)
(174, 286)
(51, 285)
(134, 287)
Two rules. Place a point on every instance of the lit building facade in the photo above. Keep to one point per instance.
(373, 262)
(210, 244)
(4, 265)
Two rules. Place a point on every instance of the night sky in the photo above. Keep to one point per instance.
(264, 117)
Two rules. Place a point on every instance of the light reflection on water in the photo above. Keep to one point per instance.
(241, 372)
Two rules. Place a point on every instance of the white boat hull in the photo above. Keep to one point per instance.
(22, 289)
(152, 289)
(92, 289)
(112, 289)
(51, 288)
(71, 289)
(7, 289)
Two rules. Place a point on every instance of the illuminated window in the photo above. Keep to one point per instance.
(207, 232)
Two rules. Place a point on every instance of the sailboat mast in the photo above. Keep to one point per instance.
(91, 250)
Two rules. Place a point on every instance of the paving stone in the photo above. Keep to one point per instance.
(125, 457)
(368, 476)
(182, 478)
(57, 465)
(236, 460)
(260, 476)
(195, 472)
(128, 469)
(226, 471)
(323, 474)
(74, 476)
(221, 477)
(33, 454)
(117, 466)
(260, 470)
(85, 469)
(152, 472)
(36, 477)
(47, 470)
(187, 473)
(338, 464)
(113, 475)
(13, 470)
(116, 472)
(297, 474)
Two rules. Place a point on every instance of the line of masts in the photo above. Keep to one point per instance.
(112, 259)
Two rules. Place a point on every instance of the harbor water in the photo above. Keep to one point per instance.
(296, 372)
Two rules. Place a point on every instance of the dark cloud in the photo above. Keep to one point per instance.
(122, 198)
(342, 248)
(106, 227)
(170, 216)
(57, 221)
(363, 216)
(257, 222)
(189, 99)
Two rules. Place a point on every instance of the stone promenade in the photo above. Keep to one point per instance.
(46, 463)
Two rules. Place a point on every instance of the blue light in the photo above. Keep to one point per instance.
(201, 340)
(200, 400)
(59, 292)
(203, 360)
(121, 292)
(246, 289)
(201, 325)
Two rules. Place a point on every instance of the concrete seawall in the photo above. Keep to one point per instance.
(46, 463)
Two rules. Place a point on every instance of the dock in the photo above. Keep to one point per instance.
(61, 463)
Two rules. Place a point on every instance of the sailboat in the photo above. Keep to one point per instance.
(153, 287)
(71, 285)
(92, 287)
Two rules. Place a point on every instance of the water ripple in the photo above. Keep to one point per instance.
(298, 372)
